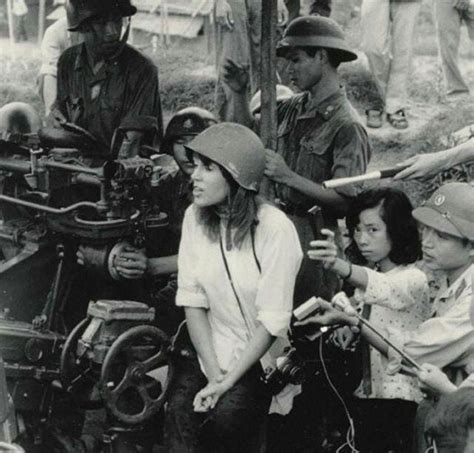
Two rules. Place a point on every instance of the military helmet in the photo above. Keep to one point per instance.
(188, 121)
(450, 210)
(78, 11)
(237, 149)
(315, 31)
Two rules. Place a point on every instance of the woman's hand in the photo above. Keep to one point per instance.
(344, 337)
(325, 250)
(433, 380)
(131, 263)
(207, 398)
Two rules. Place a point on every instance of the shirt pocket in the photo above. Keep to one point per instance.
(313, 160)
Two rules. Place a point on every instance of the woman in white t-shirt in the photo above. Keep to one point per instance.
(237, 265)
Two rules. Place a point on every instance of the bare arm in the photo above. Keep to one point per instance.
(258, 345)
(200, 333)
(424, 165)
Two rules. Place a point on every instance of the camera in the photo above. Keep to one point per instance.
(289, 369)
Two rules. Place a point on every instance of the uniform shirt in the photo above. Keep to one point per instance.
(125, 90)
(447, 339)
(266, 297)
(319, 142)
(399, 299)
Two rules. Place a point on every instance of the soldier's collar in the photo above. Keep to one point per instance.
(461, 284)
(325, 107)
(112, 65)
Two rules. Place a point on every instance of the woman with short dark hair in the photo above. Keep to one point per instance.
(392, 293)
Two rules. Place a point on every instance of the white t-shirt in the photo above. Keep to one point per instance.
(266, 298)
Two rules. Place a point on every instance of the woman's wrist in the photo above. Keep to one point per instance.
(342, 268)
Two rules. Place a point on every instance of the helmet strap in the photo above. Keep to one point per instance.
(228, 229)
(123, 41)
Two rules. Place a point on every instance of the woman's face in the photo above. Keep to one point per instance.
(371, 236)
(210, 188)
(179, 153)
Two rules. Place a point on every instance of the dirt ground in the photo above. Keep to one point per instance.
(187, 77)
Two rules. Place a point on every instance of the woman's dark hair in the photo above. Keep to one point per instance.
(402, 229)
(243, 210)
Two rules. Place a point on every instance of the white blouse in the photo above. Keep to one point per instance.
(266, 298)
(399, 299)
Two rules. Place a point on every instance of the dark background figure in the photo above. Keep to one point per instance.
(317, 7)
(19, 13)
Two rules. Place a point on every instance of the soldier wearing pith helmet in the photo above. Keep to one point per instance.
(104, 83)
(320, 137)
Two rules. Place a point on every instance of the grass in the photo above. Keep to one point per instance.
(187, 77)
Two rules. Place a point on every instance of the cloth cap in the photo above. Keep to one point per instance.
(315, 31)
(450, 210)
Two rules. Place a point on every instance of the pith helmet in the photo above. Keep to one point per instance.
(282, 92)
(188, 121)
(450, 210)
(79, 11)
(315, 31)
(237, 149)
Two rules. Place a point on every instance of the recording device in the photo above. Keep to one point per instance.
(316, 222)
(289, 370)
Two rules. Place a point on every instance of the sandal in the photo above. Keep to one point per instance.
(398, 120)
(374, 118)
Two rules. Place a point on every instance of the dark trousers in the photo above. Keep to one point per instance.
(234, 425)
(384, 425)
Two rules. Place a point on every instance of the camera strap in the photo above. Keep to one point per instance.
(229, 275)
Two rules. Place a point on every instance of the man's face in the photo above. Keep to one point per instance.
(444, 252)
(103, 34)
(304, 71)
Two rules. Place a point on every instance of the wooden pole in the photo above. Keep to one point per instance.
(10, 23)
(268, 125)
(41, 20)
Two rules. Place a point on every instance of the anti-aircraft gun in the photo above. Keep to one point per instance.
(55, 194)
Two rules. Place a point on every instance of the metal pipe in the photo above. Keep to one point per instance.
(69, 167)
(18, 166)
(88, 179)
(48, 209)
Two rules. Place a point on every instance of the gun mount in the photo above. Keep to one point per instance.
(57, 195)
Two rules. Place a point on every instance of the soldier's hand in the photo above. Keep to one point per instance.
(433, 380)
(461, 5)
(235, 76)
(131, 263)
(55, 118)
(282, 13)
(224, 16)
(276, 168)
(421, 166)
